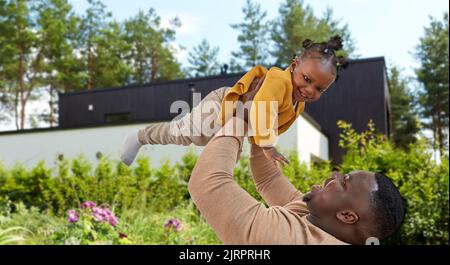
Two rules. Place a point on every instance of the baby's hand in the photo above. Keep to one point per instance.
(272, 154)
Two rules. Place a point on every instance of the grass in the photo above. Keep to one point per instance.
(143, 227)
(12, 235)
(147, 227)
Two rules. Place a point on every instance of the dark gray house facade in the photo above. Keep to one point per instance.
(361, 94)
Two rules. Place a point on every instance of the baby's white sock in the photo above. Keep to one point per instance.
(130, 148)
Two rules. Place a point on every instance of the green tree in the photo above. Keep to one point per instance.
(58, 27)
(150, 53)
(203, 60)
(8, 89)
(103, 48)
(91, 27)
(432, 53)
(334, 27)
(7, 100)
(296, 22)
(22, 56)
(253, 37)
(164, 65)
(405, 123)
(3, 29)
(234, 66)
(109, 67)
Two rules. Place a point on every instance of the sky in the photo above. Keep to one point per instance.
(389, 28)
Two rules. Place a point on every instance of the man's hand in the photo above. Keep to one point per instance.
(253, 89)
(272, 154)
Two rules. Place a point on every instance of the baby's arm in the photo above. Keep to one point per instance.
(271, 153)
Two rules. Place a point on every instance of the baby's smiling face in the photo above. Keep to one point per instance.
(310, 78)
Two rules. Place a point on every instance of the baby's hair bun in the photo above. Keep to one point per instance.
(335, 43)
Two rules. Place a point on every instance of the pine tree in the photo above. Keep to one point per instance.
(22, 56)
(404, 121)
(253, 37)
(433, 74)
(46, 48)
(57, 27)
(203, 60)
(109, 67)
(6, 99)
(150, 53)
(296, 22)
(334, 27)
(91, 26)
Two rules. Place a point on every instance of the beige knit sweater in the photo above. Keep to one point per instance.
(237, 217)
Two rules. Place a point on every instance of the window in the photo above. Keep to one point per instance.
(117, 117)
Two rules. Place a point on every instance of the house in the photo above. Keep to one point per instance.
(95, 122)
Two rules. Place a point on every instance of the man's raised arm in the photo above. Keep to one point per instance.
(270, 183)
(236, 217)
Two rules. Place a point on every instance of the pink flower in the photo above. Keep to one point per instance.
(99, 214)
(104, 215)
(174, 224)
(110, 217)
(73, 216)
(107, 212)
(113, 221)
(88, 204)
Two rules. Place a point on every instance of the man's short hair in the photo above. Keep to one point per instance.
(389, 206)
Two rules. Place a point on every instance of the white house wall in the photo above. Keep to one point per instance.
(31, 147)
(310, 142)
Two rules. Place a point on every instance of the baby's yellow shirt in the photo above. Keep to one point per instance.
(276, 88)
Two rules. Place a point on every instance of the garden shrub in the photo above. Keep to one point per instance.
(133, 192)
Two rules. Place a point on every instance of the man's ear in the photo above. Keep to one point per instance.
(347, 216)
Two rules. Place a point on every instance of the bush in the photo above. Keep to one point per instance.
(145, 197)
(72, 182)
(422, 181)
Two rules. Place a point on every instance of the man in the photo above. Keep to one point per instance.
(348, 209)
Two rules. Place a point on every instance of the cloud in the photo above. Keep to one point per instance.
(178, 51)
(181, 55)
(190, 24)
